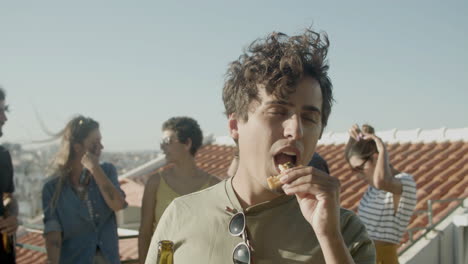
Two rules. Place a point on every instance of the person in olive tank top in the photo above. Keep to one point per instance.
(182, 137)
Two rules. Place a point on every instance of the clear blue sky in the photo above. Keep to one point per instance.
(133, 64)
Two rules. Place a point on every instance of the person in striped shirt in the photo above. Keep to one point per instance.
(388, 204)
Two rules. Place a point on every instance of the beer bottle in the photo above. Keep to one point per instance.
(165, 252)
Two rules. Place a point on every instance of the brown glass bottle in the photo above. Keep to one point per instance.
(165, 252)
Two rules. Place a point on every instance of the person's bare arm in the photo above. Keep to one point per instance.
(53, 241)
(147, 217)
(383, 178)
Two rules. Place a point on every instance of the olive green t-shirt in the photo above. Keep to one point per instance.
(198, 225)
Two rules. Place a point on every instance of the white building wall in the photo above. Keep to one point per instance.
(446, 244)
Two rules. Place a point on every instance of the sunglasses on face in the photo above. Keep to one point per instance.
(241, 253)
(166, 141)
(360, 168)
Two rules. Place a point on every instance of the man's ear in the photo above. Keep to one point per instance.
(188, 144)
(233, 129)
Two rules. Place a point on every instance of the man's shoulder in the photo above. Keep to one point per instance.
(207, 196)
(346, 214)
(349, 219)
(352, 227)
(200, 207)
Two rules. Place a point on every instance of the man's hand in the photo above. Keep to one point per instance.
(8, 225)
(318, 197)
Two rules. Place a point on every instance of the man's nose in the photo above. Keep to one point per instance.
(293, 127)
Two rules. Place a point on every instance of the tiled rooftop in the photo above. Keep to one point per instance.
(440, 168)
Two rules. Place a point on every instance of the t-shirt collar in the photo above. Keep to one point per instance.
(278, 201)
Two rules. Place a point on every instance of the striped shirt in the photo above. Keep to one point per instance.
(377, 212)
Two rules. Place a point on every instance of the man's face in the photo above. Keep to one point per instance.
(279, 131)
(3, 117)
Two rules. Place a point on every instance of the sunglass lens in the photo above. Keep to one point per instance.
(241, 254)
(236, 226)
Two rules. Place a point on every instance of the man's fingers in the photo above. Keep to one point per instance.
(302, 188)
(297, 172)
(314, 179)
(309, 180)
(312, 188)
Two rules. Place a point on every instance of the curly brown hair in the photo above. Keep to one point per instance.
(185, 128)
(278, 62)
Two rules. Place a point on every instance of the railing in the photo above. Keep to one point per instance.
(31, 247)
(38, 228)
(430, 217)
(129, 260)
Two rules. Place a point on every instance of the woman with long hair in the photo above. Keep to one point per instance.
(80, 199)
(387, 205)
(182, 137)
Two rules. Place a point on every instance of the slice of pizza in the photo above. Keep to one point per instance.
(274, 181)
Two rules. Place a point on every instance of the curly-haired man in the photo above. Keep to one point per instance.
(278, 98)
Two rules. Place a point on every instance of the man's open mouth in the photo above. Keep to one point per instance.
(285, 157)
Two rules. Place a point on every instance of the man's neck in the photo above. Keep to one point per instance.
(249, 191)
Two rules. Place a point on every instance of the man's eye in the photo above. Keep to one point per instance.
(311, 117)
(277, 111)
